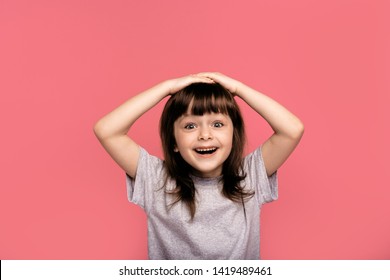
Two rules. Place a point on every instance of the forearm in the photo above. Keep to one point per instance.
(282, 121)
(120, 120)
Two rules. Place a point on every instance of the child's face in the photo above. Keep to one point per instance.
(204, 142)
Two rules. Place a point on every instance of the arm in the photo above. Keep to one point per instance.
(112, 129)
(288, 129)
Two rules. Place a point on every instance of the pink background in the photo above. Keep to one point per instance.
(65, 64)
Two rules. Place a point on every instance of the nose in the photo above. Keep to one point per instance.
(205, 134)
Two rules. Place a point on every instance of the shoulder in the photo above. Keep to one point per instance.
(266, 187)
(148, 164)
(253, 157)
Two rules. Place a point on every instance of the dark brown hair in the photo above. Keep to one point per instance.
(205, 98)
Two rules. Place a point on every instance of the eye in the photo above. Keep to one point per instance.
(189, 126)
(218, 124)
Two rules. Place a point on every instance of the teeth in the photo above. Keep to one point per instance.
(206, 150)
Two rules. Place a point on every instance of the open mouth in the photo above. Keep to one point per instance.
(205, 151)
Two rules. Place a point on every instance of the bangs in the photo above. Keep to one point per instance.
(207, 104)
(201, 98)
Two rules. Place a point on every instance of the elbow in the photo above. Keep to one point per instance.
(298, 130)
(104, 131)
(98, 130)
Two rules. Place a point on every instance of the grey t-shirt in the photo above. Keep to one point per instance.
(220, 228)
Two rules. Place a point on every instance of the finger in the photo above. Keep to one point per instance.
(202, 79)
(211, 75)
(205, 74)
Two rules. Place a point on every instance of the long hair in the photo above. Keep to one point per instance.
(205, 98)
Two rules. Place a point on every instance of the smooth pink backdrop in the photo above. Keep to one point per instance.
(65, 64)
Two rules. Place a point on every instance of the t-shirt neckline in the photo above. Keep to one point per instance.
(206, 181)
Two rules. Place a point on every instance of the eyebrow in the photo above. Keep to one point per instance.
(186, 115)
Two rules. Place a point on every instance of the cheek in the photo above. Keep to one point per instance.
(228, 136)
(181, 140)
(176, 136)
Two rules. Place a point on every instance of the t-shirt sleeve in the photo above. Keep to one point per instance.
(147, 179)
(265, 187)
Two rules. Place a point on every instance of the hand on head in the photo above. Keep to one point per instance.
(182, 82)
(230, 84)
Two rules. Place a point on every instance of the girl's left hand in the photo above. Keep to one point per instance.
(230, 84)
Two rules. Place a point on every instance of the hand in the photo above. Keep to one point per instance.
(230, 84)
(179, 83)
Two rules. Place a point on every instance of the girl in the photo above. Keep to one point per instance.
(204, 200)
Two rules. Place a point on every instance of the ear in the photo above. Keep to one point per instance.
(175, 149)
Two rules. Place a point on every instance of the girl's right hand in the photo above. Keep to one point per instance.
(179, 83)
